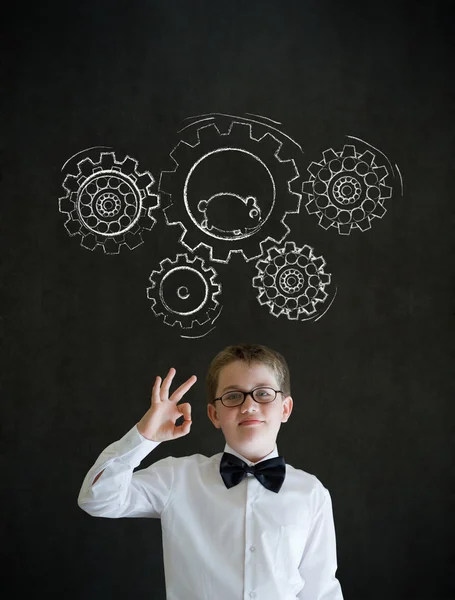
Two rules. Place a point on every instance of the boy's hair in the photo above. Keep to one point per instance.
(250, 353)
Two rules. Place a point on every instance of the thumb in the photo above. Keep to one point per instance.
(183, 429)
(185, 410)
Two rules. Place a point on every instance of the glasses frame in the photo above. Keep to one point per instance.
(245, 394)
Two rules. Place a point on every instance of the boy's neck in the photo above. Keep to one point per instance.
(254, 457)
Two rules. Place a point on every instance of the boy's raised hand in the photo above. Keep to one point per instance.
(158, 423)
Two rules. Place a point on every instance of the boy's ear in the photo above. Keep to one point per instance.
(287, 408)
(213, 415)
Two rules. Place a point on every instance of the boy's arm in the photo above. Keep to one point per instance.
(319, 561)
(111, 489)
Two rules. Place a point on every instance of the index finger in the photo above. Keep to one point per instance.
(182, 389)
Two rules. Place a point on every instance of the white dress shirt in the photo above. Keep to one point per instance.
(241, 543)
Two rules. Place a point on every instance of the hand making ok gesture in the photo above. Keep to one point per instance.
(158, 423)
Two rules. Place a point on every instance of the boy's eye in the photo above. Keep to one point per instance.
(233, 395)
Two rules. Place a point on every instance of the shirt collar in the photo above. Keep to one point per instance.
(272, 454)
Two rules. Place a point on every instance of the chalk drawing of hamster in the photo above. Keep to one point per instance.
(229, 213)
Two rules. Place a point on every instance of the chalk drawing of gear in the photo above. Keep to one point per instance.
(183, 291)
(292, 282)
(243, 233)
(109, 203)
(347, 189)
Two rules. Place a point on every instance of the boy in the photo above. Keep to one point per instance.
(229, 532)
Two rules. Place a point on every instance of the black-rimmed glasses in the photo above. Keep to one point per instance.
(263, 395)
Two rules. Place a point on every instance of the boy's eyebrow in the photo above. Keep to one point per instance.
(239, 387)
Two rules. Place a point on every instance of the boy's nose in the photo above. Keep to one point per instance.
(249, 402)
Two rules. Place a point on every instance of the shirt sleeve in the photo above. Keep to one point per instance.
(319, 561)
(121, 493)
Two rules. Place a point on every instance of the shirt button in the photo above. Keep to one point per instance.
(252, 548)
(253, 594)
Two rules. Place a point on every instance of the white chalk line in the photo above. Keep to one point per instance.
(266, 118)
(401, 179)
(195, 337)
(320, 316)
(81, 151)
(374, 148)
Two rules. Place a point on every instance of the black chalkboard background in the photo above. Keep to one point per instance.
(372, 380)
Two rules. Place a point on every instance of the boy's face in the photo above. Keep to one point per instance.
(257, 440)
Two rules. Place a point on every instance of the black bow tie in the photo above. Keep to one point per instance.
(270, 472)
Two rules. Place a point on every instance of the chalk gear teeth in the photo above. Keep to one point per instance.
(347, 189)
(266, 150)
(292, 281)
(183, 291)
(109, 203)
